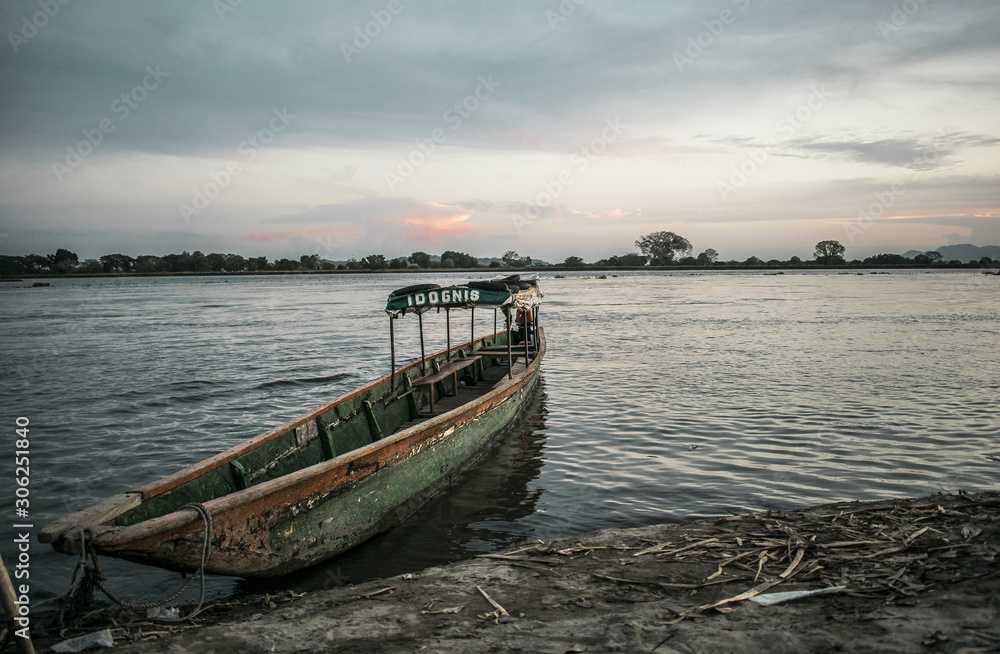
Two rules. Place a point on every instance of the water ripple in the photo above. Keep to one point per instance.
(666, 396)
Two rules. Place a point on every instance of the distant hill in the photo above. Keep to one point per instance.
(486, 261)
(483, 261)
(963, 253)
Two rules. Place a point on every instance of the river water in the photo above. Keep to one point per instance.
(664, 396)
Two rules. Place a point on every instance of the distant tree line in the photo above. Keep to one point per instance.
(656, 249)
(665, 248)
(66, 262)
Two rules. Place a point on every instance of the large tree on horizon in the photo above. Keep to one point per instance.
(661, 247)
(420, 259)
(708, 257)
(829, 252)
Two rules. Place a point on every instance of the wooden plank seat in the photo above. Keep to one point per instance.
(500, 353)
(498, 349)
(449, 370)
(516, 369)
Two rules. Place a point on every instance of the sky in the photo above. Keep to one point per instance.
(553, 128)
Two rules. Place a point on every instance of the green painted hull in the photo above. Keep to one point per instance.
(391, 494)
(314, 487)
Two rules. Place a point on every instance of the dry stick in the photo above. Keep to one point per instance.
(795, 561)
(950, 547)
(682, 549)
(492, 601)
(753, 592)
(448, 611)
(890, 550)
(756, 590)
(980, 503)
(878, 508)
(760, 563)
(523, 559)
(377, 592)
(574, 550)
(770, 543)
(653, 548)
(532, 567)
(896, 576)
(523, 549)
(663, 584)
(852, 543)
(693, 613)
(733, 560)
(913, 537)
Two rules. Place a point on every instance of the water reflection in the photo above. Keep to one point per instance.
(479, 513)
(668, 396)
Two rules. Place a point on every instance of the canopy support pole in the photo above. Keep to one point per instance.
(534, 324)
(494, 327)
(472, 334)
(510, 354)
(423, 357)
(392, 349)
(447, 322)
(527, 334)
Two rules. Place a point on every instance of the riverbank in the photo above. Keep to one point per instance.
(483, 271)
(911, 575)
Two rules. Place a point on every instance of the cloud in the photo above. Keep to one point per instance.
(437, 221)
(906, 153)
(346, 232)
(360, 211)
(914, 153)
(390, 220)
(892, 92)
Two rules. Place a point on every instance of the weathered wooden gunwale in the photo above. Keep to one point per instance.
(302, 517)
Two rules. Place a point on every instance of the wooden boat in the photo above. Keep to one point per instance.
(342, 472)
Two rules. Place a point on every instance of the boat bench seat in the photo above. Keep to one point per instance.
(516, 368)
(449, 370)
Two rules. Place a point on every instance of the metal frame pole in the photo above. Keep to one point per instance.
(535, 327)
(472, 334)
(447, 322)
(510, 353)
(423, 357)
(392, 349)
(527, 334)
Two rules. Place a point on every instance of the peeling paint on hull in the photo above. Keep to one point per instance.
(305, 516)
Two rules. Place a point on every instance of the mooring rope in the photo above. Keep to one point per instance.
(99, 577)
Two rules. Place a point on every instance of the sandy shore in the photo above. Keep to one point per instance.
(918, 575)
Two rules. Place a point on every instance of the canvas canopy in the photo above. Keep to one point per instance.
(454, 297)
(502, 294)
(459, 297)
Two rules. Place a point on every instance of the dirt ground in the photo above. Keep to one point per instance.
(918, 575)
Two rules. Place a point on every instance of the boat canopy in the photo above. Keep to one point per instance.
(499, 294)
(401, 302)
